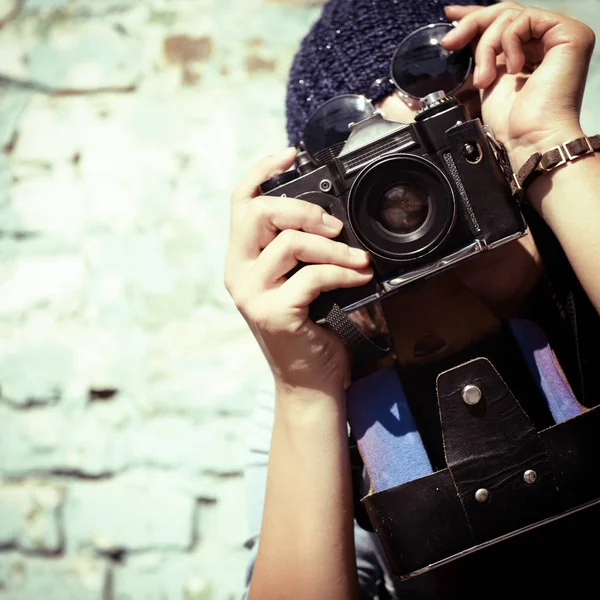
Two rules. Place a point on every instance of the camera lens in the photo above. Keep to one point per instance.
(401, 207)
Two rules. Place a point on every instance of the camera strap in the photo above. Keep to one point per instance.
(363, 347)
(539, 163)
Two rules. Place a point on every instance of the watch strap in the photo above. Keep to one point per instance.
(539, 163)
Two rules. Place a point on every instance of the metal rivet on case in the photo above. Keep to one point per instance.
(471, 394)
(482, 495)
(529, 476)
(325, 185)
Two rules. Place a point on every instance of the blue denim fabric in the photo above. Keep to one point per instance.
(375, 577)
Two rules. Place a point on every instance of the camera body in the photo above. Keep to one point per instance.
(419, 197)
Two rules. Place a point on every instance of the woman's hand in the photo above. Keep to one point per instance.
(268, 237)
(531, 65)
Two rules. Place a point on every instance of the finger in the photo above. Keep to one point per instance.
(533, 24)
(265, 169)
(291, 247)
(310, 281)
(512, 42)
(456, 12)
(488, 47)
(266, 216)
(474, 24)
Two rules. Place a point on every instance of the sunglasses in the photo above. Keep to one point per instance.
(419, 66)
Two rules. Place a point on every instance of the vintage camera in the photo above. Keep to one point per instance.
(419, 197)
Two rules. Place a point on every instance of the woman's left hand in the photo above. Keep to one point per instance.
(531, 65)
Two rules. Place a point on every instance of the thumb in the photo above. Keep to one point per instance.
(264, 169)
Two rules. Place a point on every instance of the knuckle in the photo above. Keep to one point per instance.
(587, 36)
(483, 49)
(259, 208)
(240, 302)
(310, 212)
(255, 313)
(535, 12)
(340, 250)
(509, 15)
(509, 32)
(470, 22)
(288, 240)
(314, 277)
(245, 299)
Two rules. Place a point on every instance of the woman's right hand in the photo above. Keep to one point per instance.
(268, 237)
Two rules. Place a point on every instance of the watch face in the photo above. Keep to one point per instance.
(421, 66)
(329, 124)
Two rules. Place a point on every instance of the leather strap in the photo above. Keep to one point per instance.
(362, 347)
(489, 446)
(539, 163)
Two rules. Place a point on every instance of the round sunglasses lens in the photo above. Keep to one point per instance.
(422, 66)
(328, 127)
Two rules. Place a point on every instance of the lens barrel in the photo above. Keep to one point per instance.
(401, 207)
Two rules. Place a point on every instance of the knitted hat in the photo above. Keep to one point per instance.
(349, 48)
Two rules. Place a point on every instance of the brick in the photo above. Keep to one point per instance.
(12, 106)
(137, 511)
(225, 569)
(41, 282)
(196, 353)
(80, 55)
(49, 130)
(32, 211)
(75, 7)
(74, 578)
(106, 440)
(47, 441)
(162, 577)
(52, 364)
(30, 517)
(172, 442)
(222, 524)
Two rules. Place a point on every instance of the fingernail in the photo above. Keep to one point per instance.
(476, 75)
(508, 66)
(367, 272)
(331, 222)
(357, 252)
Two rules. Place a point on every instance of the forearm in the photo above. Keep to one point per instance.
(306, 547)
(568, 198)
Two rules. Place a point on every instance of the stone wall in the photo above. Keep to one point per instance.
(126, 375)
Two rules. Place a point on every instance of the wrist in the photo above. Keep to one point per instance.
(307, 404)
(519, 151)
